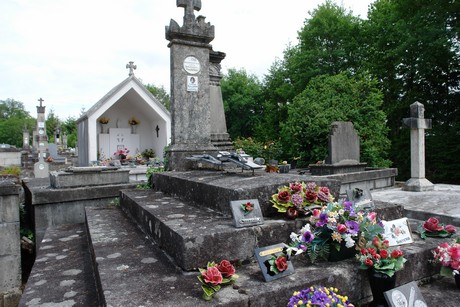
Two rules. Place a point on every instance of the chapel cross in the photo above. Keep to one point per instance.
(41, 100)
(131, 67)
(417, 123)
(190, 6)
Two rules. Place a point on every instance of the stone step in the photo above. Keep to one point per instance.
(192, 235)
(134, 271)
(62, 274)
(215, 190)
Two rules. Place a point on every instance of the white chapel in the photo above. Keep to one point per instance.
(127, 101)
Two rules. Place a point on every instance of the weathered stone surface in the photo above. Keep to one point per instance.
(442, 202)
(52, 207)
(63, 180)
(215, 190)
(117, 244)
(192, 235)
(62, 274)
(10, 252)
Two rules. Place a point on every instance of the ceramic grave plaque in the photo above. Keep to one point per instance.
(405, 295)
(246, 213)
(361, 198)
(397, 232)
(273, 262)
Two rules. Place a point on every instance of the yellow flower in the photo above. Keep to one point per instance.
(300, 302)
(336, 236)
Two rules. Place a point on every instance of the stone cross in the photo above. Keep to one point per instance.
(190, 6)
(417, 123)
(41, 100)
(131, 67)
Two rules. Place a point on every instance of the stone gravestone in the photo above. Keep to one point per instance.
(417, 123)
(344, 152)
(190, 99)
(41, 168)
(53, 151)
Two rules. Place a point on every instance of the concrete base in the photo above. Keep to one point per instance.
(418, 185)
(215, 190)
(178, 157)
(331, 169)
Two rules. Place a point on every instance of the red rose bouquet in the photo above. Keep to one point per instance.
(377, 255)
(215, 276)
(432, 228)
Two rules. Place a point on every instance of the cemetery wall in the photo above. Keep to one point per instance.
(9, 157)
(10, 248)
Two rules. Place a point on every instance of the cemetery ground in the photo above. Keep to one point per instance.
(139, 253)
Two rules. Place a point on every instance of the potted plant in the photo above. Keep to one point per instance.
(448, 255)
(133, 122)
(382, 262)
(103, 121)
(121, 153)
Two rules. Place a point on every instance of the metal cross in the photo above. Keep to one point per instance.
(190, 6)
(41, 100)
(131, 67)
(157, 129)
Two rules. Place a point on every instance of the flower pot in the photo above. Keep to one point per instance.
(342, 254)
(457, 280)
(380, 283)
(103, 128)
(133, 129)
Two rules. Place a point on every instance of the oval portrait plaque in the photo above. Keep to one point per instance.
(192, 65)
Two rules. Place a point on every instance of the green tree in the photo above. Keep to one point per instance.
(160, 94)
(329, 42)
(326, 99)
(69, 127)
(52, 122)
(413, 51)
(241, 93)
(13, 119)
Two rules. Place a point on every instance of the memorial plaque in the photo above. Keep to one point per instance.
(397, 232)
(192, 84)
(361, 198)
(246, 213)
(405, 295)
(271, 262)
(192, 65)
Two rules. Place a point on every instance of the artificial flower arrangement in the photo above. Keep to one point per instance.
(448, 255)
(215, 276)
(133, 121)
(377, 254)
(432, 228)
(104, 120)
(335, 225)
(247, 208)
(277, 264)
(300, 197)
(122, 153)
(319, 296)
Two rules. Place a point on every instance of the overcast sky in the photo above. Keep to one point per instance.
(71, 53)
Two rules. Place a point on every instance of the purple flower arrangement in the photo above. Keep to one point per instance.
(319, 296)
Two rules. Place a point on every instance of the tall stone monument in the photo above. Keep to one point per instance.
(417, 124)
(219, 136)
(41, 138)
(190, 93)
